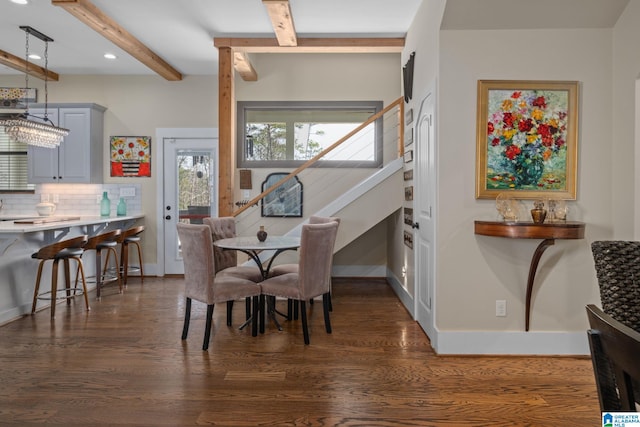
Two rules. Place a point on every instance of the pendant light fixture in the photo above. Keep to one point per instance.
(41, 133)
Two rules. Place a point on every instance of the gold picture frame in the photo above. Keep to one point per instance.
(527, 138)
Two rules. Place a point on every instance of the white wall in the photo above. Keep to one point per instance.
(423, 39)
(497, 268)
(625, 138)
(474, 271)
(327, 77)
(138, 105)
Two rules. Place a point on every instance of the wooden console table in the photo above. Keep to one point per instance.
(528, 230)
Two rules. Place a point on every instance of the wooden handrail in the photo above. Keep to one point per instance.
(305, 165)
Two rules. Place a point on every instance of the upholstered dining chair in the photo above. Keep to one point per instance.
(314, 273)
(617, 264)
(227, 261)
(293, 268)
(614, 352)
(202, 283)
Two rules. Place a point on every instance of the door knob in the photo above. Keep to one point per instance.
(168, 208)
(415, 225)
(167, 217)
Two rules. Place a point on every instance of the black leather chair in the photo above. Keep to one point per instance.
(615, 351)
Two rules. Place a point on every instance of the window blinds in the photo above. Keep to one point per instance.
(13, 165)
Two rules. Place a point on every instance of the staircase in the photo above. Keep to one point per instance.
(361, 207)
(370, 195)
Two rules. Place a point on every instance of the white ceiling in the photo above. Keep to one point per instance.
(528, 14)
(182, 31)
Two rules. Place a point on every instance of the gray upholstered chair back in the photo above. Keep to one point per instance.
(316, 259)
(617, 264)
(323, 219)
(199, 266)
(223, 228)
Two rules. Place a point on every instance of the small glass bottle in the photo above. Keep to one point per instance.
(122, 207)
(105, 205)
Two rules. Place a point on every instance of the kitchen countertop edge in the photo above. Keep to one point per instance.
(8, 227)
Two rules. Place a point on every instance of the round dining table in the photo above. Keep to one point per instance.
(253, 247)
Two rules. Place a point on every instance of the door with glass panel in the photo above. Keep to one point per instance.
(190, 190)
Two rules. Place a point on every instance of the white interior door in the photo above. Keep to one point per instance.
(425, 234)
(190, 190)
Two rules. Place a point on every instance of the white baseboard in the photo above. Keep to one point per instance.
(512, 343)
(359, 271)
(405, 298)
(14, 313)
(149, 270)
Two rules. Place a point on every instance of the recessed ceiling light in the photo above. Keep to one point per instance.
(110, 56)
(20, 1)
(34, 56)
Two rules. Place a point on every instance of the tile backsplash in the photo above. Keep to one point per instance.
(71, 199)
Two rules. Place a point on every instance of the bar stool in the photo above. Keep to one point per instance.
(105, 241)
(64, 250)
(127, 238)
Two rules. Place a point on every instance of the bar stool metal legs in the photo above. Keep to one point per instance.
(126, 239)
(105, 241)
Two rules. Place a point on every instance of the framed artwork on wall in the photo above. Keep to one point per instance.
(17, 97)
(408, 239)
(284, 201)
(527, 138)
(408, 116)
(130, 156)
(408, 216)
(408, 193)
(408, 156)
(408, 137)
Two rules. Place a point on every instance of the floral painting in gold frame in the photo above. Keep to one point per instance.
(130, 156)
(527, 138)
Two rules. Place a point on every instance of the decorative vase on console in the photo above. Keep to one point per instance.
(262, 235)
(538, 213)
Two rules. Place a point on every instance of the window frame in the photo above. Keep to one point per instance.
(9, 154)
(243, 106)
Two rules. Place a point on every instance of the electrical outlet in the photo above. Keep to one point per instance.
(98, 198)
(56, 198)
(501, 308)
(128, 192)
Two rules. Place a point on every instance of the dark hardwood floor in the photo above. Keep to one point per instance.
(124, 364)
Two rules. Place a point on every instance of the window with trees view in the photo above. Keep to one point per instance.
(288, 133)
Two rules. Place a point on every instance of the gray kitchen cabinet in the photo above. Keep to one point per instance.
(78, 159)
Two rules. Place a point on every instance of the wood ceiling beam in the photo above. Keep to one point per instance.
(313, 45)
(32, 69)
(90, 15)
(243, 66)
(280, 14)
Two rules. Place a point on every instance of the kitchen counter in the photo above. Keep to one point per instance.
(19, 241)
(94, 223)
